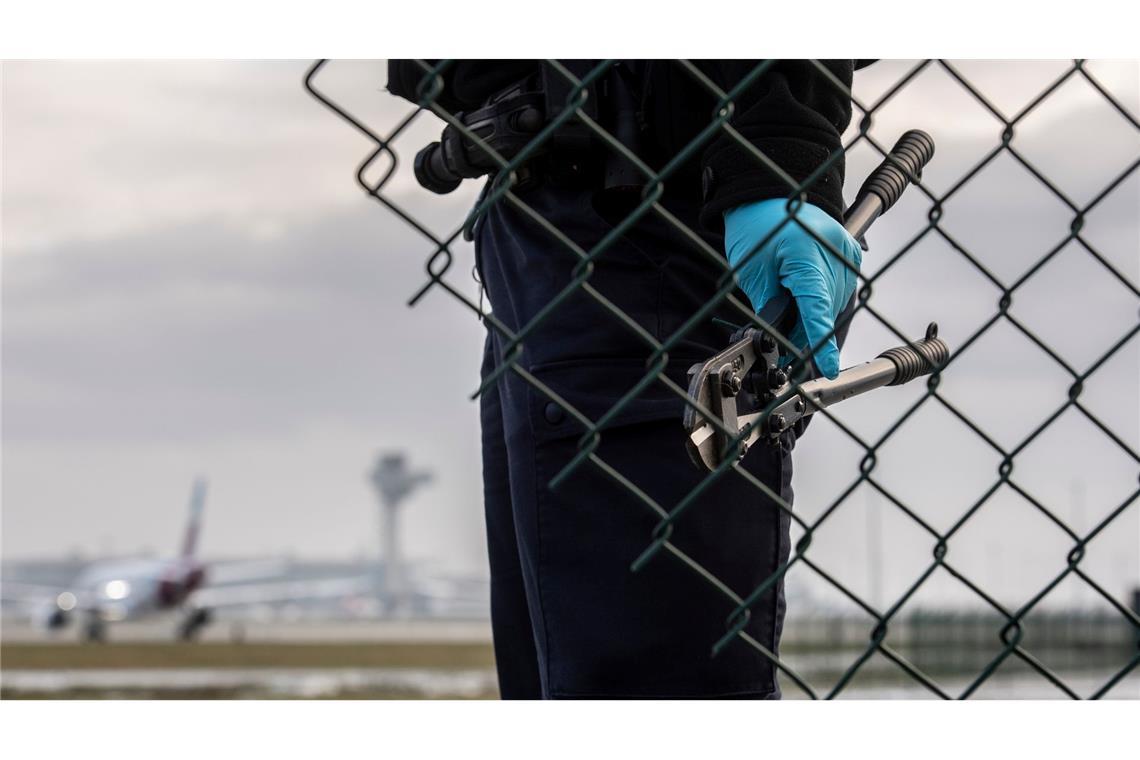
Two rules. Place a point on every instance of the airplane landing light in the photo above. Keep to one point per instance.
(117, 589)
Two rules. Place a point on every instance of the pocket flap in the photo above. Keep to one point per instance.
(594, 386)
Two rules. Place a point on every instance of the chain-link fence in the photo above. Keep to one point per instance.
(1005, 622)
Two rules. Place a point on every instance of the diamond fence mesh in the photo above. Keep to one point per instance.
(1008, 623)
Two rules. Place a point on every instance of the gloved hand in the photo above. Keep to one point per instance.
(792, 259)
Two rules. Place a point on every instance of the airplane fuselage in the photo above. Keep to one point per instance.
(129, 589)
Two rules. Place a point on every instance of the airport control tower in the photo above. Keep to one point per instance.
(394, 482)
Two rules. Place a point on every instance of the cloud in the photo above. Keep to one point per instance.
(103, 149)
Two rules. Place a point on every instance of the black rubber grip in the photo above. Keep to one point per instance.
(910, 363)
(904, 163)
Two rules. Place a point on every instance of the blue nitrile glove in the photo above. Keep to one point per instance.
(793, 260)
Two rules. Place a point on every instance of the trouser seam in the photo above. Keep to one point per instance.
(544, 659)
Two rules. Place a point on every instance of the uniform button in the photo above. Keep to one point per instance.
(553, 413)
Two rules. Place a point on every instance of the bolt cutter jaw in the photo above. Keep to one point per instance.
(741, 395)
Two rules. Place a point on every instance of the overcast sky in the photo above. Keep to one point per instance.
(193, 283)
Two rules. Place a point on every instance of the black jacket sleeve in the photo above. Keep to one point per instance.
(793, 114)
(467, 83)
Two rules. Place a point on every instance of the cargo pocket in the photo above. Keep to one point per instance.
(610, 632)
(593, 386)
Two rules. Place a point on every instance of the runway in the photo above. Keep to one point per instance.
(369, 659)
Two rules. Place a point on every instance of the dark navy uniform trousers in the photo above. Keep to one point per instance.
(569, 617)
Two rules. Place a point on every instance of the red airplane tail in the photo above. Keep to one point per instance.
(193, 526)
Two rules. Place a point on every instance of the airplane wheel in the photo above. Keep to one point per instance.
(193, 623)
(95, 632)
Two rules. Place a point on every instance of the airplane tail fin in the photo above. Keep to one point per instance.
(193, 526)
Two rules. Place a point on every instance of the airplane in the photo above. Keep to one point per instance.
(111, 591)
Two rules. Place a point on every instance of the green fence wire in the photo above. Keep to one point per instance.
(1010, 629)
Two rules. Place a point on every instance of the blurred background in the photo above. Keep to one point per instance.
(223, 428)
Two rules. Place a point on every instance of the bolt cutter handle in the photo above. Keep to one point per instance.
(881, 190)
